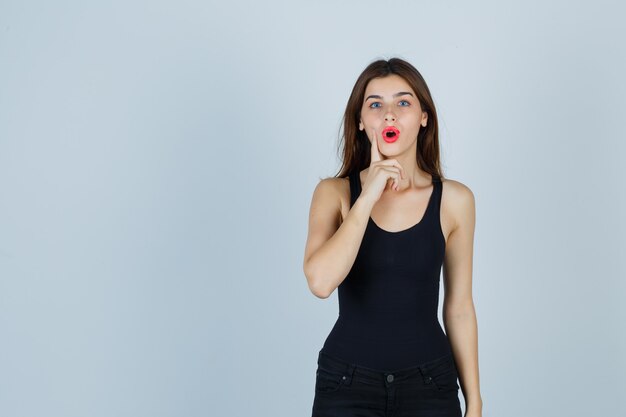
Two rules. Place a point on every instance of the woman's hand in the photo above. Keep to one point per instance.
(380, 171)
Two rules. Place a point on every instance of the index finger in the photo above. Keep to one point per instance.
(375, 155)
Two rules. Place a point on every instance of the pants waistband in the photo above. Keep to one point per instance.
(349, 369)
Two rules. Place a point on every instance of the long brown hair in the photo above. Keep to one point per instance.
(354, 143)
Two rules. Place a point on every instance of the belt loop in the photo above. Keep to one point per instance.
(349, 373)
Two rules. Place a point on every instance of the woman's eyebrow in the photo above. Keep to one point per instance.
(401, 93)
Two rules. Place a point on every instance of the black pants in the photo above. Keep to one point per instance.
(343, 389)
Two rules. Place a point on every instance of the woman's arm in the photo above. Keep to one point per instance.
(331, 247)
(459, 315)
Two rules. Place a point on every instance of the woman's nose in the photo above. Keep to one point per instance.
(389, 117)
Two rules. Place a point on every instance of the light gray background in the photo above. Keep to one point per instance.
(157, 161)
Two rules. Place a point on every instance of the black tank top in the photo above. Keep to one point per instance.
(388, 301)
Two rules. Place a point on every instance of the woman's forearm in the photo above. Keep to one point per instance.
(462, 329)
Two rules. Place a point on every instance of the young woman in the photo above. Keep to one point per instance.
(380, 232)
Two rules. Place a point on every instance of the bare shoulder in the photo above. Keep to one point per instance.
(334, 192)
(457, 203)
(458, 191)
(335, 186)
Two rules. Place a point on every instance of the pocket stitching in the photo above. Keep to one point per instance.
(440, 385)
(335, 378)
(440, 374)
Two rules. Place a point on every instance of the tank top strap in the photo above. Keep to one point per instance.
(355, 187)
(437, 192)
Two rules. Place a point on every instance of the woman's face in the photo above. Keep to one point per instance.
(390, 101)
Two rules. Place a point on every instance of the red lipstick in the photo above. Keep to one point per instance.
(391, 134)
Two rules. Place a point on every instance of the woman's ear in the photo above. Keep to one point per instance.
(424, 118)
(361, 127)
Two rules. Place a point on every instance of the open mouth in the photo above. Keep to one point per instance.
(390, 134)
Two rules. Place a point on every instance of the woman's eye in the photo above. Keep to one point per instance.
(376, 105)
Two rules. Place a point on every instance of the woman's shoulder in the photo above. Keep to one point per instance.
(456, 190)
(457, 200)
(336, 184)
(338, 189)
